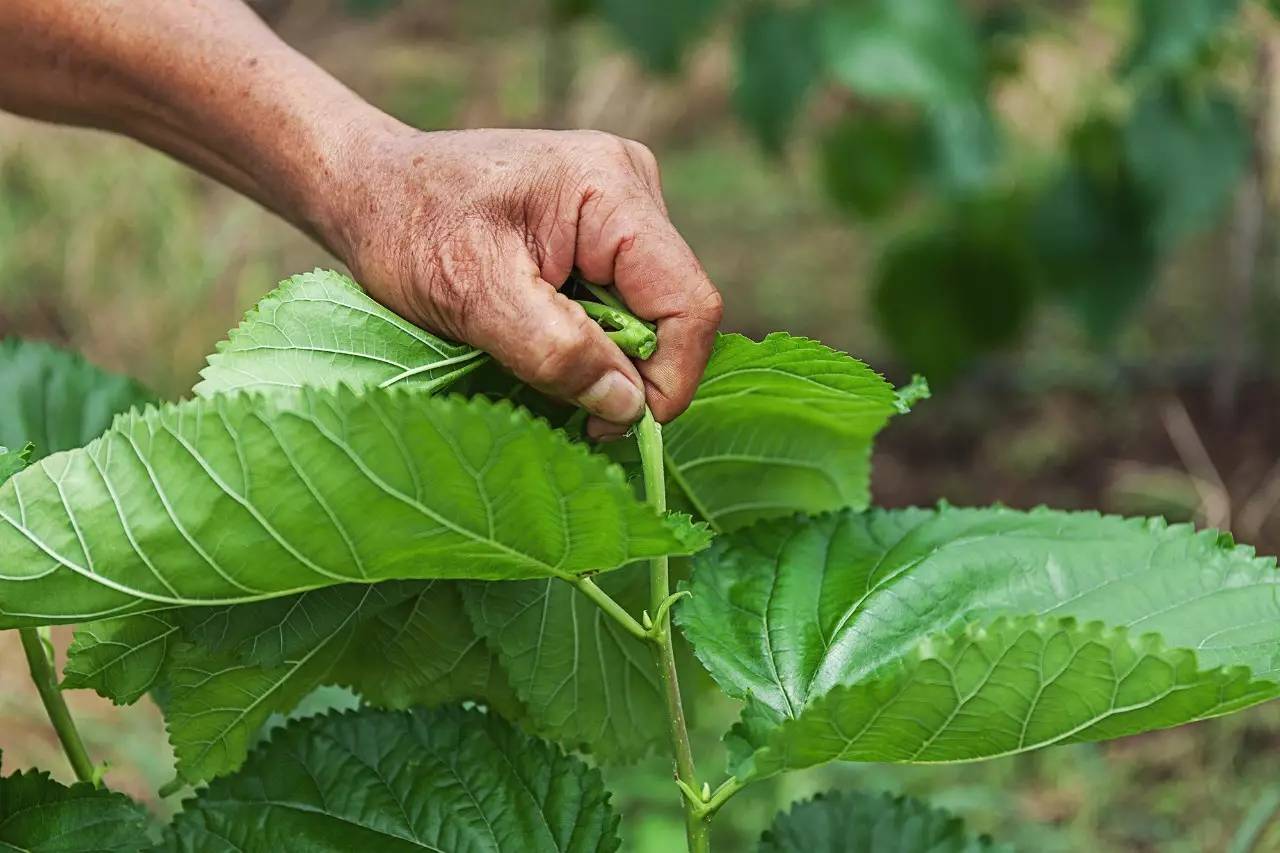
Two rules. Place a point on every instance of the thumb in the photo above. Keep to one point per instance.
(548, 341)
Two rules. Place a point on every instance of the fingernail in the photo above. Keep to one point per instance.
(614, 398)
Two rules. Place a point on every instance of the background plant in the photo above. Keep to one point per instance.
(319, 511)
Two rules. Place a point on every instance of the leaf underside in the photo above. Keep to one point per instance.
(321, 330)
(395, 781)
(585, 681)
(186, 504)
(840, 821)
(955, 634)
(778, 426)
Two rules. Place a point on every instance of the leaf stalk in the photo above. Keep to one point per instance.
(39, 661)
(606, 603)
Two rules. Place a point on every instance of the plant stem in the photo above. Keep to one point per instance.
(649, 439)
(46, 681)
(602, 600)
(629, 333)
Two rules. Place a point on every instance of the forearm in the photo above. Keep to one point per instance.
(204, 80)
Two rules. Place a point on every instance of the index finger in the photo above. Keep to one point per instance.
(639, 251)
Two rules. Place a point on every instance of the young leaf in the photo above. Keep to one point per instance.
(120, 658)
(839, 820)
(585, 682)
(887, 626)
(13, 461)
(778, 63)
(56, 400)
(778, 426)
(186, 503)
(39, 815)
(321, 329)
(424, 651)
(393, 781)
(926, 51)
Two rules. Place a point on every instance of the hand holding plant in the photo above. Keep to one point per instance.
(322, 512)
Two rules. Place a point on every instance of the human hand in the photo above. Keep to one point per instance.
(470, 234)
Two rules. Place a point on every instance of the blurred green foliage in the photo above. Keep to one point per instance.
(1153, 164)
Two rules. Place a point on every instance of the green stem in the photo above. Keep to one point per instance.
(46, 681)
(606, 603)
(629, 333)
(697, 829)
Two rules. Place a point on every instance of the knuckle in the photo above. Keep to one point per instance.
(643, 154)
(711, 306)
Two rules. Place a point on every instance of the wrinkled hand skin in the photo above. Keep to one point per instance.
(470, 234)
(467, 233)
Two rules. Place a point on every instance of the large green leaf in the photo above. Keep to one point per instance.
(778, 426)
(320, 329)
(55, 399)
(584, 681)
(925, 51)
(1172, 37)
(39, 815)
(120, 658)
(944, 635)
(1187, 154)
(778, 63)
(218, 699)
(424, 651)
(394, 781)
(186, 504)
(840, 821)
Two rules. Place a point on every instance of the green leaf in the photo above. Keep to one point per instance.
(424, 651)
(777, 426)
(185, 504)
(778, 64)
(273, 631)
(39, 815)
(869, 162)
(13, 461)
(393, 781)
(925, 51)
(842, 821)
(57, 400)
(320, 329)
(948, 635)
(1188, 155)
(585, 682)
(955, 292)
(1172, 37)
(217, 701)
(660, 32)
(120, 658)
